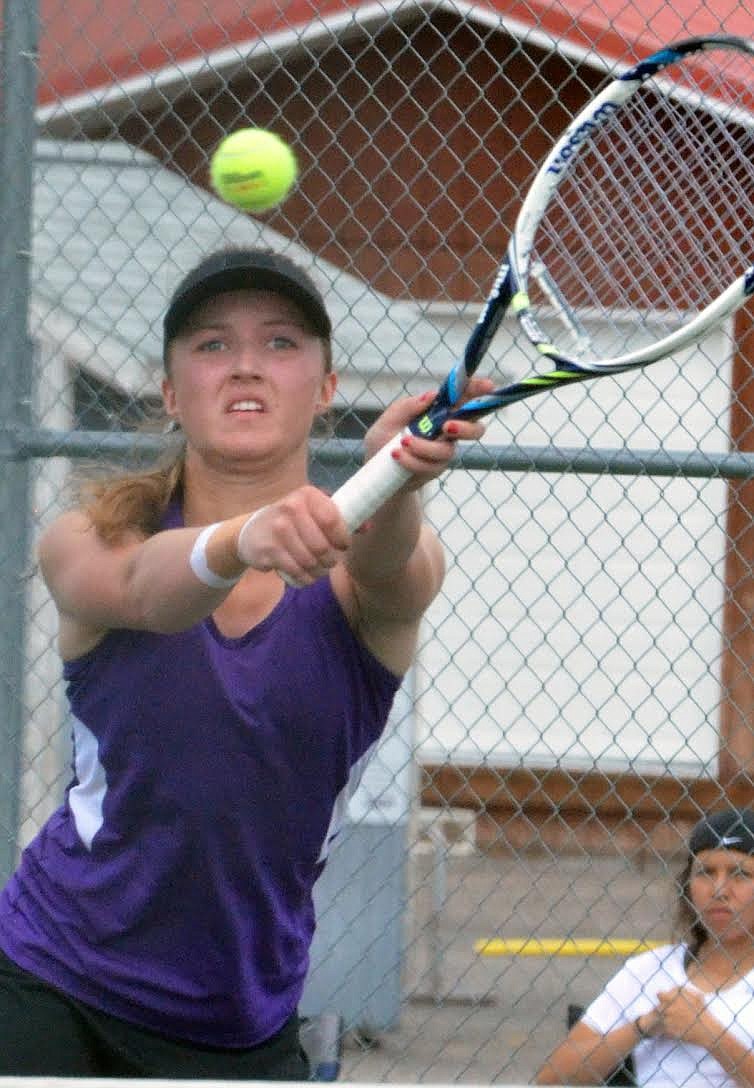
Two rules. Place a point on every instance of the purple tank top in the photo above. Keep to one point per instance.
(172, 888)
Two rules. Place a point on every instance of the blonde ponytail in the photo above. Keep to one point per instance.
(132, 501)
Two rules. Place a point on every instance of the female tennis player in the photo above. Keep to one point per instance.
(685, 1010)
(159, 925)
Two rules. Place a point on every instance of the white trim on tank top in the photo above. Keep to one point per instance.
(87, 798)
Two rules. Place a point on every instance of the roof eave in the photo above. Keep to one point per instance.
(72, 114)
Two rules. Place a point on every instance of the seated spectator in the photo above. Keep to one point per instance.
(685, 1010)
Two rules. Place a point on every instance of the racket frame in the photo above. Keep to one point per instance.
(382, 476)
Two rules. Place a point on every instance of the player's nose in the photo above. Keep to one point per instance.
(246, 361)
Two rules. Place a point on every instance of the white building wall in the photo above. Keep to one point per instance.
(580, 621)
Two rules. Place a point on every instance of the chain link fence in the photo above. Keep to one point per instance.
(583, 689)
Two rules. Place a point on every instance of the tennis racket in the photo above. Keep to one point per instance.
(639, 223)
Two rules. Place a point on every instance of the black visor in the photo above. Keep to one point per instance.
(732, 829)
(234, 270)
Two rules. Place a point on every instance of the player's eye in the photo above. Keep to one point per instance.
(211, 344)
(281, 342)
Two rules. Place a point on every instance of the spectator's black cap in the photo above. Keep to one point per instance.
(236, 269)
(731, 829)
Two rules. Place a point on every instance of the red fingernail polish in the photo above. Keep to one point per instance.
(405, 441)
(451, 428)
(395, 454)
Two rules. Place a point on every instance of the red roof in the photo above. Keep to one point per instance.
(84, 46)
(93, 44)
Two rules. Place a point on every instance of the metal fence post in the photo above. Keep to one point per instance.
(19, 89)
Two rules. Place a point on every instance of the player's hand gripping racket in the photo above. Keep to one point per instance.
(639, 223)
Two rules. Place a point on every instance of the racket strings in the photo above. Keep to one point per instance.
(653, 220)
(648, 211)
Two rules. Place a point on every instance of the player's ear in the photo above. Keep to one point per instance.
(168, 397)
(326, 393)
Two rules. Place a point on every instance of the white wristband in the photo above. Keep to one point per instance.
(198, 562)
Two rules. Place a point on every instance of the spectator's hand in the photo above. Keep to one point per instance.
(681, 1014)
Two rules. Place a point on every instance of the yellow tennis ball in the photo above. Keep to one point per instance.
(253, 169)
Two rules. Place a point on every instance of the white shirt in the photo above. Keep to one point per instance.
(661, 1062)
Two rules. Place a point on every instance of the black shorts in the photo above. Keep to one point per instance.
(44, 1032)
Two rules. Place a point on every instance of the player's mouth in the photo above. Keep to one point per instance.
(246, 406)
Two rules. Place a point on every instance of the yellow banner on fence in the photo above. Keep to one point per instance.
(562, 946)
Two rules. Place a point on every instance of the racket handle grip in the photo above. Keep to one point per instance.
(370, 487)
(365, 492)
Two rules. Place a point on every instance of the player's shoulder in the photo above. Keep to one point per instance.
(75, 525)
(73, 518)
(70, 526)
(72, 540)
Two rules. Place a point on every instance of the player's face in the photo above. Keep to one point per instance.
(247, 377)
(721, 886)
